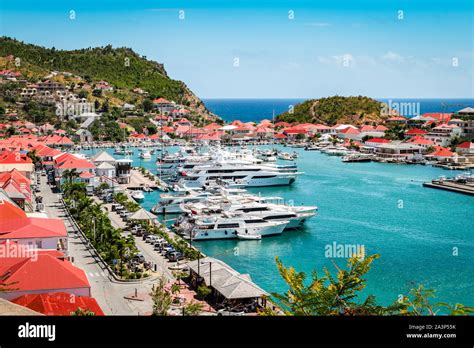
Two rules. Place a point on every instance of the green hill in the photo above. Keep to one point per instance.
(121, 67)
(332, 110)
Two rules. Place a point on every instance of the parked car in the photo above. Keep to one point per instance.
(175, 256)
(150, 238)
(158, 246)
(140, 258)
(169, 252)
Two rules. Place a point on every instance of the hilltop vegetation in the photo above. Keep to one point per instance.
(120, 67)
(332, 110)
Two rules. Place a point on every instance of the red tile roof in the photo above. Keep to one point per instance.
(69, 161)
(59, 303)
(13, 157)
(10, 212)
(466, 145)
(415, 131)
(161, 101)
(350, 130)
(32, 227)
(44, 273)
(55, 139)
(86, 175)
(282, 124)
(280, 136)
(378, 140)
(419, 140)
(213, 126)
(442, 152)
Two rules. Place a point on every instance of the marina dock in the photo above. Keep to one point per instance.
(450, 185)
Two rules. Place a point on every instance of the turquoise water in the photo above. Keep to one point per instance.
(381, 206)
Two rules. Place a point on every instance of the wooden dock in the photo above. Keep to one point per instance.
(449, 185)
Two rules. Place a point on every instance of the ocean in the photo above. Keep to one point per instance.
(248, 110)
(423, 236)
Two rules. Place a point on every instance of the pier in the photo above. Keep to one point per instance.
(450, 185)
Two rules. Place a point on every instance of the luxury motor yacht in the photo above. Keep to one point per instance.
(296, 216)
(227, 226)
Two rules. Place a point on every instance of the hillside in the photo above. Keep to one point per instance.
(120, 67)
(332, 110)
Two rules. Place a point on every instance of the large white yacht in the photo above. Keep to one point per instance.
(248, 175)
(296, 216)
(228, 226)
(171, 203)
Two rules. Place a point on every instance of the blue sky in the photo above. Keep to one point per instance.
(329, 47)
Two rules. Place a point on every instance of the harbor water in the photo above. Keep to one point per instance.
(424, 236)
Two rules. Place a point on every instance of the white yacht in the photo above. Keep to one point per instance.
(286, 156)
(172, 203)
(227, 226)
(145, 154)
(138, 195)
(295, 216)
(248, 175)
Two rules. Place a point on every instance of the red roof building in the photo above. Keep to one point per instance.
(43, 274)
(376, 142)
(282, 124)
(56, 140)
(10, 160)
(280, 136)
(465, 148)
(442, 152)
(58, 303)
(415, 131)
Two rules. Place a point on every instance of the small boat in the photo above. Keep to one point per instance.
(249, 236)
(138, 195)
(145, 155)
(312, 148)
(285, 156)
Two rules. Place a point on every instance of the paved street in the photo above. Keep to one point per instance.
(108, 293)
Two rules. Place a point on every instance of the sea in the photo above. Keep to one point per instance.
(423, 236)
(255, 110)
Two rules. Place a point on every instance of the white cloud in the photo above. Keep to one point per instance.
(393, 57)
(345, 59)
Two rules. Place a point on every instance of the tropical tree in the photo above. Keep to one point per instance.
(193, 309)
(162, 298)
(339, 295)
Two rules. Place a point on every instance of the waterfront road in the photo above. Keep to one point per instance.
(109, 293)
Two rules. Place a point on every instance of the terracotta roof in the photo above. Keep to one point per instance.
(86, 175)
(419, 140)
(280, 136)
(161, 101)
(350, 130)
(442, 152)
(378, 140)
(9, 211)
(466, 145)
(58, 303)
(415, 131)
(32, 227)
(11, 157)
(44, 273)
